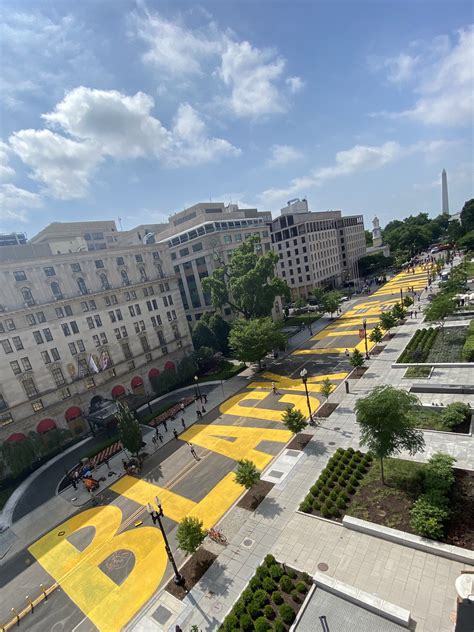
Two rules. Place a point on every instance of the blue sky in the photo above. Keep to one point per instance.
(138, 109)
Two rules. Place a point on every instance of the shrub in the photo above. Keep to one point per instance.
(231, 623)
(358, 475)
(342, 480)
(427, 519)
(246, 596)
(262, 572)
(295, 596)
(317, 504)
(239, 608)
(344, 496)
(361, 468)
(286, 584)
(269, 560)
(291, 573)
(351, 489)
(315, 489)
(269, 612)
(306, 505)
(269, 585)
(353, 480)
(262, 625)
(326, 510)
(357, 457)
(253, 611)
(334, 495)
(336, 512)
(260, 598)
(306, 578)
(301, 587)
(255, 583)
(277, 598)
(279, 626)
(438, 472)
(331, 482)
(455, 414)
(467, 353)
(340, 502)
(322, 497)
(275, 571)
(286, 613)
(246, 623)
(350, 450)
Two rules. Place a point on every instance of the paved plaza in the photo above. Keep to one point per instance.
(102, 587)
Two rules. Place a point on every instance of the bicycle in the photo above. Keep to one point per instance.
(217, 536)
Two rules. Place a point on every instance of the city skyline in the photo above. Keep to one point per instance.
(139, 112)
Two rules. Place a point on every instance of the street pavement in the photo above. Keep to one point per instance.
(100, 587)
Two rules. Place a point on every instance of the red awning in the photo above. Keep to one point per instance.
(153, 373)
(45, 425)
(17, 436)
(136, 381)
(170, 366)
(72, 413)
(118, 391)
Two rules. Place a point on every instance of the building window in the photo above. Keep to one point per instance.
(80, 346)
(145, 344)
(66, 330)
(89, 383)
(148, 357)
(19, 275)
(85, 306)
(38, 337)
(96, 341)
(37, 406)
(131, 365)
(227, 239)
(124, 332)
(65, 393)
(99, 263)
(30, 387)
(126, 351)
(58, 376)
(59, 313)
(120, 261)
(125, 279)
(3, 403)
(90, 322)
(76, 267)
(55, 355)
(27, 296)
(18, 343)
(68, 310)
(10, 324)
(164, 350)
(103, 339)
(26, 364)
(143, 275)
(30, 319)
(41, 317)
(5, 419)
(72, 348)
(81, 284)
(104, 282)
(56, 290)
(197, 247)
(15, 366)
(45, 357)
(139, 258)
(47, 335)
(49, 271)
(98, 320)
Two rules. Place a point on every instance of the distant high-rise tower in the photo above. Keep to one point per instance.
(444, 192)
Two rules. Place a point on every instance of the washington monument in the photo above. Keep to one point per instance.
(444, 193)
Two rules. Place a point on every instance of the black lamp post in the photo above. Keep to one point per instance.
(401, 297)
(364, 324)
(156, 517)
(198, 390)
(304, 377)
(309, 324)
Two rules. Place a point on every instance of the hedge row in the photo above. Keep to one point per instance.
(331, 493)
(467, 353)
(418, 348)
(271, 600)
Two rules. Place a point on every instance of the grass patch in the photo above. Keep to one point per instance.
(145, 418)
(418, 371)
(448, 345)
(388, 504)
(418, 348)
(225, 372)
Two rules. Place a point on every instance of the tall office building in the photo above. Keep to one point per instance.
(78, 323)
(316, 249)
(444, 192)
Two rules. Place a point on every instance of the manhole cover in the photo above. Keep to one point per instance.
(323, 567)
(161, 615)
(293, 453)
(332, 443)
(248, 543)
(61, 533)
(275, 473)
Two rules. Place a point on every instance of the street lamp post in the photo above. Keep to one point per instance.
(364, 324)
(401, 297)
(304, 377)
(198, 390)
(156, 517)
(309, 324)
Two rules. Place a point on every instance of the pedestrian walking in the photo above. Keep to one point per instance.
(193, 451)
(205, 398)
(203, 410)
(416, 313)
(165, 425)
(198, 413)
(175, 433)
(160, 437)
(154, 439)
(73, 482)
(181, 406)
(183, 423)
(107, 465)
(347, 353)
(274, 388)
(411, 314)
(178, 629)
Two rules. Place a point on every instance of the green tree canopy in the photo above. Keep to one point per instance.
(369, 239)
(248, 283)
(357, 359)
(203, 336)
(441, 306)
(190, 534)
(374, 264)
(294, 420)
(398, 312)
(247, 474)
(467, 241)
(386, 426)
(331, 301)
(376, 335)
(467, 216)
(212, 331)
(129, 429)
(251, 340)
(387, 320)
(327, 387)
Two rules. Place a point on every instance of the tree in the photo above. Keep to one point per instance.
(376, 335)
(248, 283)
(221, 330)
(251, 340)
(386, 426)
(202, 335)
(387, 320)
(190, 534)
(327, 387)
(247, 474)
(398, 312)
(294, 420)
(374, 264)
(204, 357)
(440, 307)
(19, 455)
(467, 241)
(186, 369)
(369, 239)
(467, 216)
(357, 359)
(129, 429)
(331, 302)
(407, 300)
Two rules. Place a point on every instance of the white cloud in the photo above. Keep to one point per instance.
(42, 56)
(63, 165)
(444, 74)
(295, 84)
(14, 202)
(103, 124)
(252, 75)
(171, 47)
(400, 68)
(6, 171)
(353, 160)
(283, 154)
